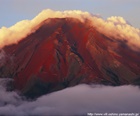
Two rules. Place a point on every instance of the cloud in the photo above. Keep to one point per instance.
(7, 97)
(117, 28)
(77, 100)
(113, 27)
(23, 28)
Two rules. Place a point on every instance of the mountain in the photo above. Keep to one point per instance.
(65, 52)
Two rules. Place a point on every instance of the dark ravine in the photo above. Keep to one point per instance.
(66, 52)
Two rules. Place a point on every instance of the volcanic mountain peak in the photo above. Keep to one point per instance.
(64, 52)
(113, 27)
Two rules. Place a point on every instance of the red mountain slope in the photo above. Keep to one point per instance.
(65, 52)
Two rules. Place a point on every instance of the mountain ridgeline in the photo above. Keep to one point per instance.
(65, 52)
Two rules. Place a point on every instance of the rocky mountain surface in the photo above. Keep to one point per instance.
(65, 52)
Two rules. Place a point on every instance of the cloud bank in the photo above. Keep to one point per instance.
(114, 27)
(78, 100)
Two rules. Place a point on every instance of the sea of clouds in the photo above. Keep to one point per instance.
(78, 100)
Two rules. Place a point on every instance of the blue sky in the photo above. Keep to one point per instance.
(12, 11)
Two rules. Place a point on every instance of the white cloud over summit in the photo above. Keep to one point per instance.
(114, 27)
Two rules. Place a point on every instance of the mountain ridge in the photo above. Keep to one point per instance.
(64, 52)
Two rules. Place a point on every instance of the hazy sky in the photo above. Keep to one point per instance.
(12, 11)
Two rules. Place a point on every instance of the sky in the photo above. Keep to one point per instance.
(12, 11)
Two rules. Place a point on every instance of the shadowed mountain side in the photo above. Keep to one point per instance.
(65, 52)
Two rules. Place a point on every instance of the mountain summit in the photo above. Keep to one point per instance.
(64, 52)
